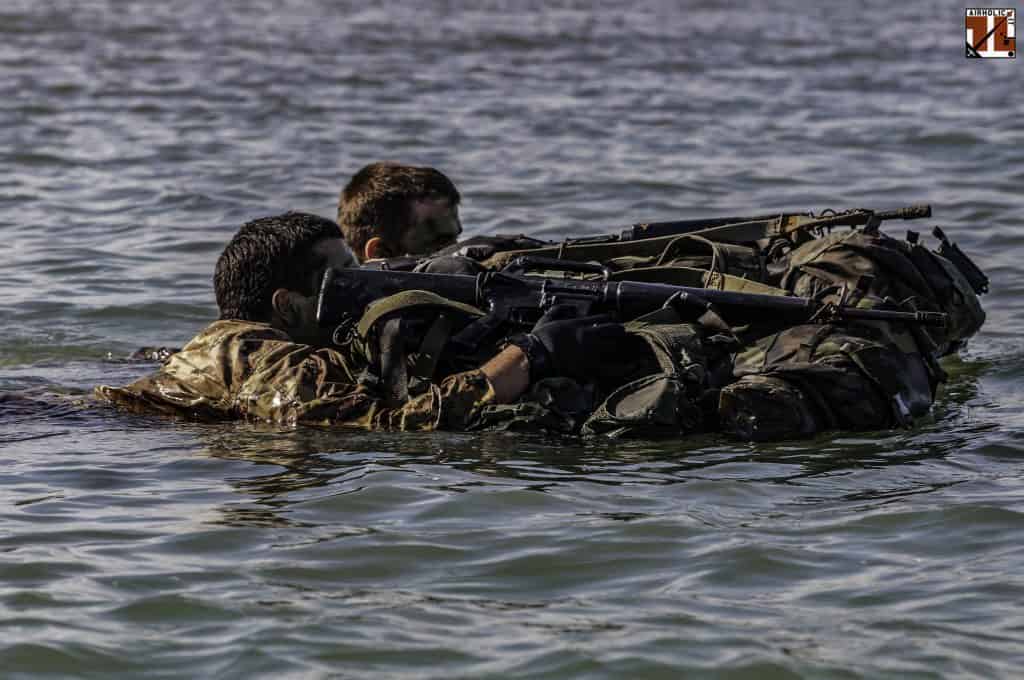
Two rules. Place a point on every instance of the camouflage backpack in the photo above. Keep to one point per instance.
(810, 378)
(873, 264)
(663, 402)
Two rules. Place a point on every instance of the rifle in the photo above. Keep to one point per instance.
(807, 220)
(515, 301)
(642, 230)
(722, 229)
(826, 219)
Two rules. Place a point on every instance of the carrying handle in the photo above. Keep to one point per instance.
(525, 263)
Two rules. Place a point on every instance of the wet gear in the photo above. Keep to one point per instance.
(812, 378)
(248, 370)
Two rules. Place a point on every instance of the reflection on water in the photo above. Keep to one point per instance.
(288, 467)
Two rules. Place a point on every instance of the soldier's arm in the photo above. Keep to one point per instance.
(295, 383)
(508, 373)
(449, 405)
(573, 347)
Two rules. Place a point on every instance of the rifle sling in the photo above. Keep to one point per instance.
(393, 369)
(430, 350)
(742, 233)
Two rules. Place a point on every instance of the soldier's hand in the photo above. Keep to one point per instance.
(562, 344)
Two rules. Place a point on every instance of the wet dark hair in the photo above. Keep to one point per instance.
(378, 200)
(267, 254)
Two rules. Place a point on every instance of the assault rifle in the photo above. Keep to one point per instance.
(642, 237)
(513, 301)
(807, 220)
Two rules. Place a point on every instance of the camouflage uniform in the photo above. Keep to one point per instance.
(248, 370)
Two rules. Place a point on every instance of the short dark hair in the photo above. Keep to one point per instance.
(377, 201)
(267, 254)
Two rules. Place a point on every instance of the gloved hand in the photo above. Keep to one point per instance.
(562, 344)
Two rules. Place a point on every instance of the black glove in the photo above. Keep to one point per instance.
(561, 344)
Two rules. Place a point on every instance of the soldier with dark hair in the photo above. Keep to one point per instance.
(261, 258)
(389, 210)
(267, 359)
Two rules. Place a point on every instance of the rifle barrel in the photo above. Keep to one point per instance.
(911, 212)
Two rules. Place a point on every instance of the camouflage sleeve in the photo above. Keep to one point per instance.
(291, 383)
(451, 405)
(283, 382)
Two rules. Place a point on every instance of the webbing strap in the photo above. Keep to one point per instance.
(408, 300)
(392, 363)
(718, 258)
(695, 278)
(430, 350)
(886, 385)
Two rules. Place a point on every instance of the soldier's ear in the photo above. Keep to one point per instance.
(375, 249)
(285, 309)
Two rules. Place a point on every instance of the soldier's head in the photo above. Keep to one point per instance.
(389, 209)
(271, 270)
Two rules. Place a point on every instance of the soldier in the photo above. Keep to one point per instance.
(389, 210)
(267, 359)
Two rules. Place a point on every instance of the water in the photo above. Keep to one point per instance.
(136, 137)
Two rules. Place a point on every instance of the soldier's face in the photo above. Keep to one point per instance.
(301, 324)
(435, 225)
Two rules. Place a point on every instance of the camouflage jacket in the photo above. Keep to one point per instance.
(248, 370)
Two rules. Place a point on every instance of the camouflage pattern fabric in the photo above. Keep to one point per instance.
(550, 406)
(811, 378)
(248, 370)
(779, 383)
(656, 390)
(904, 272)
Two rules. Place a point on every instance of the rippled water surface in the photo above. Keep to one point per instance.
(135, 137)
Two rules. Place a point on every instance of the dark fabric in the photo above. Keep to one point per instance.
(810, 378)
(575, 348)
(878, 266)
